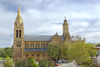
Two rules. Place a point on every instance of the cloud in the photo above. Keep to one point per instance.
(46, 18)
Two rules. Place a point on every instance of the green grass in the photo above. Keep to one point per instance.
(87, 66)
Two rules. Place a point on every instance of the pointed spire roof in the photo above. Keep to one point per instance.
(19, 13)
(65, 22)
(19, 20)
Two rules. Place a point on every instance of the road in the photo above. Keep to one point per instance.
(1, 63)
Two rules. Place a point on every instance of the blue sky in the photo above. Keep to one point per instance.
(45, 17)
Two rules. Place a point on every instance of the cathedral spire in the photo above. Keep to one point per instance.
(18, 13)
(19, 20)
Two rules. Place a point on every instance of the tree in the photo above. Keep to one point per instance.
(98, 45)
(92, 51)
(7, 52)
(53, 50)
(22, 63)
(26, 63)
(4, 54)
(44, 63)
(32, 63)
(64, 49)
(79, 52)
(8, 63)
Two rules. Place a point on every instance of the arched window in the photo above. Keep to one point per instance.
(38, 45)
(33, 45)
(17, 45)
(18, 55)
(25, 45)
(19, 33)
(41, 45)
(38, 55)
(16, 33)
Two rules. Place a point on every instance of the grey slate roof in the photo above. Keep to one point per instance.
(34, 49)
(46, 37)
(40, 37)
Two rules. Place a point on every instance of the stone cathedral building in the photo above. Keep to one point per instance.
(36, 45)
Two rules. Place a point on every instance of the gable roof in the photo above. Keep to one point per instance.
(40, 37)
(47, 37)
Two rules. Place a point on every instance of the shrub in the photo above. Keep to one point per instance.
(8, 63)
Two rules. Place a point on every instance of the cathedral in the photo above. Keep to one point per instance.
(36, 45)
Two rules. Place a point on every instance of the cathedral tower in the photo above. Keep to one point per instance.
(18, 44)
(66, 33)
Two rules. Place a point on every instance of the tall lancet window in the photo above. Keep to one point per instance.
(19, 33)
(16, 33)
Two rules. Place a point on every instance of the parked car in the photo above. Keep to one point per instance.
(56, 64)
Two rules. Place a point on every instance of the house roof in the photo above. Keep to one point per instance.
(46, 37)
(72, 64)
(34, 49)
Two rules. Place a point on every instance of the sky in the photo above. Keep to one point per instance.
(45, 17)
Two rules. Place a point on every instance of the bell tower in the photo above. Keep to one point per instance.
(18, 45)
(66, 33)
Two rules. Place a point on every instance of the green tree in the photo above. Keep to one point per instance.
(50, 64)
(64, 49)
(98, 45)
(92, 51)
(26, 63)
(32, 63)
(79, 52)
(22, 63)
(44, 63)
(8, 63)
(7, 52)
(53, 50)
(4, 54)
